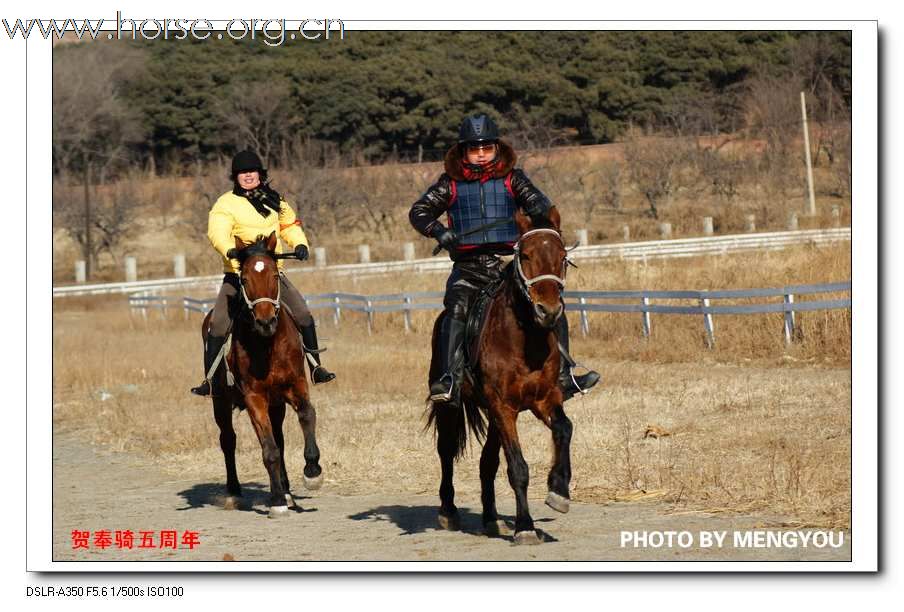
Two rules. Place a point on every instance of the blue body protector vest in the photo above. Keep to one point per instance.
(477, 204)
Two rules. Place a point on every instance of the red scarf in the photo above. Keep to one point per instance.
(472, 172)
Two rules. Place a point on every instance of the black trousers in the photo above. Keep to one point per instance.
(468, 277)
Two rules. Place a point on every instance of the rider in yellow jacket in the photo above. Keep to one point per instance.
(232, 217)
(253, 209)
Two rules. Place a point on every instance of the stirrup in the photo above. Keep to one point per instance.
(571, 385)
(203, 389)
(446, 395)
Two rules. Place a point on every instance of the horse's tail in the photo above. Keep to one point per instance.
(450, 423)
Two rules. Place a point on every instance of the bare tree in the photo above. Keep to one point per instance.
(92, 127)
(655, 166)
(112, 222)
(723, 172)
(260, 116)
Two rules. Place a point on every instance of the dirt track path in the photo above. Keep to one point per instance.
(95, 490)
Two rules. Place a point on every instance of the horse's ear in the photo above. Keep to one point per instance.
(239, 244)
(523, 222)
(271, 242)
(555, 219)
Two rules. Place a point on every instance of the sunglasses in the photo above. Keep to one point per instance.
(486, 146)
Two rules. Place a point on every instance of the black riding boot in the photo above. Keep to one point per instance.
(568, 382)
(319, 374)
(450, 338)
(211, 350)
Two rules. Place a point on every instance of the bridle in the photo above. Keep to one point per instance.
(251, 304)
(524, 283)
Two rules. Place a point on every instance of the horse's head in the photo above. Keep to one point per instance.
(260, 282)
(540, 263)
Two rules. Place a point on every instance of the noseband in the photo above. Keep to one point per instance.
(524, 283)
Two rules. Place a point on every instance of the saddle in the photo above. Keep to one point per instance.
(476, 320)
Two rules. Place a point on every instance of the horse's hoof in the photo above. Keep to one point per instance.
(290, 501)
(312, 484)
(449, 522)
(494, 529)
(231, 503)
(526, 538)
(278, 511)
(557, 502)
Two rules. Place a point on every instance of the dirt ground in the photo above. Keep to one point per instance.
(386, 527)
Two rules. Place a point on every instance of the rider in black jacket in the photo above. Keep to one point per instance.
(480, 187)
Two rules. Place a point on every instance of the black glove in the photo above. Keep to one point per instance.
(301, 252)
(445, 237)
(537, 212)
(232, 254)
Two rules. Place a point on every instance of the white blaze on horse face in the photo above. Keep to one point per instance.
(259, 266)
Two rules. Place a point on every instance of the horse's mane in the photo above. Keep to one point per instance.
(543, 223)
(258, 247)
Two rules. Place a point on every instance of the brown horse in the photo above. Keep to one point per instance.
(266, 359)
(517, 369)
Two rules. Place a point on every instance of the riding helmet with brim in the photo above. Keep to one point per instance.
(477, 129)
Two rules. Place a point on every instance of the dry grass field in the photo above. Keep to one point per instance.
(749, 425)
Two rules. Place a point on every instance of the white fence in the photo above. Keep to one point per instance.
(583, 302)
(683, 247)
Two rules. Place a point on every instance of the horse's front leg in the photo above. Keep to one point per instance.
(518, 473)
(277, 416)
(222, 413)
(258, 412)
(307, 418)
(559, 477)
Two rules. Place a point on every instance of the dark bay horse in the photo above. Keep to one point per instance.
(266, 358)
(517, 369)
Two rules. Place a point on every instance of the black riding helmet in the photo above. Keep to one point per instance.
(477, 128)
(247, 161)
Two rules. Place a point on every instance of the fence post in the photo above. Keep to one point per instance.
(836, 216)
(749, 223)
(585, 320)
(792, 222)
(408, 251)
(179, 266)
(370, 317)
(80, 271)
(407, 300)
(708, 324)
(645, 301)
(319, 257)
(789, 319)
(582, 237)
(336, 311)
(131, 269)
(665, 230)
(364, 253)
(626, 232)
(185, 308)
(707, 226)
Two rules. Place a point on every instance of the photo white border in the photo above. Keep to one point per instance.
(865, 367)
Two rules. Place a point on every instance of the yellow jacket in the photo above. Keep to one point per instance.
(234, 215)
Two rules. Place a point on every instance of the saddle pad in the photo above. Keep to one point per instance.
(477, 314)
